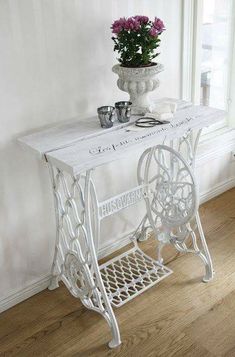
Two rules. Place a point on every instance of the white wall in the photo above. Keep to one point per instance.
(55, 63)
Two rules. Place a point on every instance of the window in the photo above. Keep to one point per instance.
(208, 27)
(215, 52)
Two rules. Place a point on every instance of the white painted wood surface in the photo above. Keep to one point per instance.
(79, 146)
(76, 147)
(66, 133)
(96, 151)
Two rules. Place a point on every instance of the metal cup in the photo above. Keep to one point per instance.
(123, 110)
(106, 116)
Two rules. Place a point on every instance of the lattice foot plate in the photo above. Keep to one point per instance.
(130, 274)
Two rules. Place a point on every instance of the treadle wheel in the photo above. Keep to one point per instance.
(173, 196)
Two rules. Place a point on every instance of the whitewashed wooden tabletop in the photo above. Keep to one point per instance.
(73, 130)
(82, 145)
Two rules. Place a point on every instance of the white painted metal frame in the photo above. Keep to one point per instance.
(79, 213)
(75, 261)
(187, 146)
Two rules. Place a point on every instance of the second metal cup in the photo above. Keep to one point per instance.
(123, 110)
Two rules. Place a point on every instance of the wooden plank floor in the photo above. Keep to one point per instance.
(179, 317)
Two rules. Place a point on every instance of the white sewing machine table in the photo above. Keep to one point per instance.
(165, 182)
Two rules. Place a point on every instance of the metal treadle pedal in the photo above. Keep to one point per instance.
(130, 274)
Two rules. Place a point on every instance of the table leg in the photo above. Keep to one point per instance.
(75, 260)
(190, 140)
(209, 266)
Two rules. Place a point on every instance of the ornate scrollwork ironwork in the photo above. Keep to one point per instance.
(75, 260)
(78, 277)
(174, 201)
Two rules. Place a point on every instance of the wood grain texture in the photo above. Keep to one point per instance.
(79, 146)
(74, 130)
(95, 151)
(179, 317)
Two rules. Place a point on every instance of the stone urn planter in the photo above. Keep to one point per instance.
(139, 82)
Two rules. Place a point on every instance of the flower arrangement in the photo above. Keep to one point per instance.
(136, 40)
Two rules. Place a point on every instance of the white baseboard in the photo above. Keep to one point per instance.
(25, 293)
(113, 246)
(217, 190)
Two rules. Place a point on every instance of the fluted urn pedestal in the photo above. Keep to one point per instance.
(139, 82)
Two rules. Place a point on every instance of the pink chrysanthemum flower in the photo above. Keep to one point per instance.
(118, 25)
(153, 32)
(159, 25)
(141, 19)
